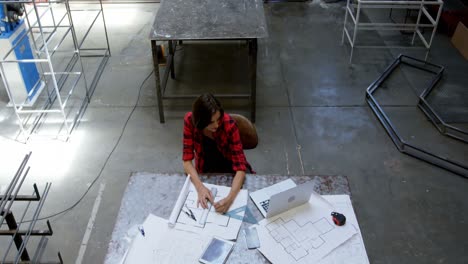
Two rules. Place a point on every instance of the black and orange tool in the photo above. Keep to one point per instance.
(338, 219)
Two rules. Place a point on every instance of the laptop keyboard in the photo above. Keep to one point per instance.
(265, 204)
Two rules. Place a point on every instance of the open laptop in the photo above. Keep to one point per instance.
(281, 197)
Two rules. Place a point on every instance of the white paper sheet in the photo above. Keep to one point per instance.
(304, 234)
(162, 244)
(352, 251)
(220, 225)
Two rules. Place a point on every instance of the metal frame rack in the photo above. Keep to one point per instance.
(58, 55)
(20, 236)
(354, 12)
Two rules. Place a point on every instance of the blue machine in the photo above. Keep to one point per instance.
(23, 77)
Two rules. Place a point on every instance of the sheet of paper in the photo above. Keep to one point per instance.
(162, 244)
(305, 234)
(221, 225)
(353, 250)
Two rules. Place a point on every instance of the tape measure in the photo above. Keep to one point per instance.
(338, 219)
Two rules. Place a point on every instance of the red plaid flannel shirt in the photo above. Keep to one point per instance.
(227, 139)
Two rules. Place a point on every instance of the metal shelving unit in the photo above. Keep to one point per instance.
(355, 8)
(21, 236)
(63, 90)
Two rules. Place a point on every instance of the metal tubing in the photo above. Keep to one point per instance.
(154, 49)
(345, 21)
(356, 26)
(14, 180)
(366, 4)
(402, 146)
(33, 221)
(14, 235)
(11, 222)
(89, 29)
(40, 12)
(34, 197)
(53, 32)
(172, 53)
(105, 27)
(10, 201)
(167, 71)
(253, 76)
(40, 249)
(12, 185)
(78, 53)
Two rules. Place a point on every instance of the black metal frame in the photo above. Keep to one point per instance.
(161, 83)
(402, 146)
(437, 121)
(20, 237)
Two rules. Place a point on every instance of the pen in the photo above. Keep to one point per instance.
(142, 231)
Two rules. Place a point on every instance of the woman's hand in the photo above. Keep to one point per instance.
(204, 195)
(222, 206)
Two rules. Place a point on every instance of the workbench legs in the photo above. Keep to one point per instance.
(252, 44)
(161, 83)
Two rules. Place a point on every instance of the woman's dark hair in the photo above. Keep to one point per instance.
(203, 109)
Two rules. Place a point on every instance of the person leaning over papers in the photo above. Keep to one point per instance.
(212, 137)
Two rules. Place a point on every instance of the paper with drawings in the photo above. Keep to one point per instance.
(304, 234)
(223, 226)
(353, 250)
(162, 244)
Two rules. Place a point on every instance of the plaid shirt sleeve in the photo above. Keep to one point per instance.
(239, 162)
(188, 138)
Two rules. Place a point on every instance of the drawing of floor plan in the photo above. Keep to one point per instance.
(213, 217)
(305, 234)
(220, 225)
(297, 240)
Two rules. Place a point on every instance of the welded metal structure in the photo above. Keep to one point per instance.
(60, 56)
(400, 143)
(436, 119)
(21, 232)
(353, 22)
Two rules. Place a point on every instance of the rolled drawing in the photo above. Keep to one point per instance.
(180, 202)
(204, 216)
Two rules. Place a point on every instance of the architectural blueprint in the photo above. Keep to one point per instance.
(305, 234)
(221, 225)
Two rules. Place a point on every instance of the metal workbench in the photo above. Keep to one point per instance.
(179, 21)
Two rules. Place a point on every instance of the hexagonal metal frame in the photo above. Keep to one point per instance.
(400, 143)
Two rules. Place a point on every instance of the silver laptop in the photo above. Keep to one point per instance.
(281, 197)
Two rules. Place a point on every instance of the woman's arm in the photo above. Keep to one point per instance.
(204, 194)
(239, 165)
(223, 205)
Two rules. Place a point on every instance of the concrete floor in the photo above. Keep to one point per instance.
(312, 119)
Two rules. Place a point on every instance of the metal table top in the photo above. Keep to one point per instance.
(157, 194)
(209, 19)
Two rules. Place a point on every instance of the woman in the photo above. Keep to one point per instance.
(212, 137)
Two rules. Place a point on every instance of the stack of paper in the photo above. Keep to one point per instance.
(158, 245)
